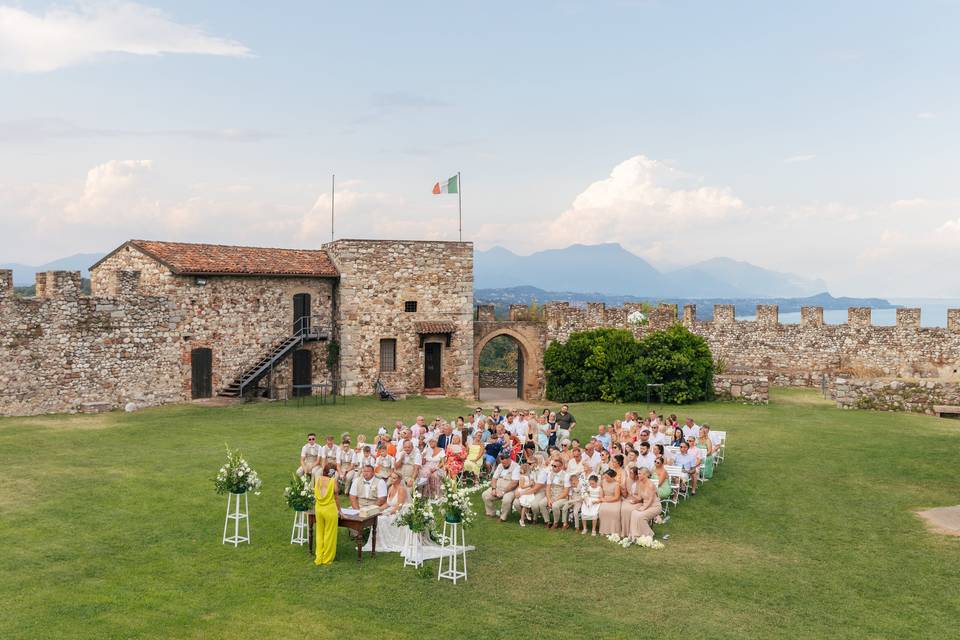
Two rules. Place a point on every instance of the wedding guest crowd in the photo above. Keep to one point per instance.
(540, 465)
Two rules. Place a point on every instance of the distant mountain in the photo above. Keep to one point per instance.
(745, 279)
(611, 269)
(503, 298)
(25, 275)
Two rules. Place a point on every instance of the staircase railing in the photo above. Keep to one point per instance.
(303, 330)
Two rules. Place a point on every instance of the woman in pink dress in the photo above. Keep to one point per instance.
(432, 468)
(456, 454)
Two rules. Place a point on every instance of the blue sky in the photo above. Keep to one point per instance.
(819, 138)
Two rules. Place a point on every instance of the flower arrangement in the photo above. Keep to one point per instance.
(647, 542)
(455, 502)
(299, 493)
(236, 476)
(417, 515)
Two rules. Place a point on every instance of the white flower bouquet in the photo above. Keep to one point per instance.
(236, 476)
(647, 542)
(299, 493)
(417, 515)
(455, 502)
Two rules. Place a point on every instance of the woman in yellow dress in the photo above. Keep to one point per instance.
(328, 514)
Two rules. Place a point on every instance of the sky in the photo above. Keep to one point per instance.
(819, 138)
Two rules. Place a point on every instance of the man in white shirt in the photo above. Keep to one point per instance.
(645, 457)
(691, 429)
(690, 462)
(503, 485)
(346, 463)
(575, 463)
(309, 455)
(558, 490)
(408, 463)
(628, 420)
(367, 490)
(418, 428)
(591, 456)
(659, 436)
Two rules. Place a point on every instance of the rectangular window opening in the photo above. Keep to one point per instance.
(388, 354)
(410, 306)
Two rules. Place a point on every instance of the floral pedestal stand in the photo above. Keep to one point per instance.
(412, 553)
(453, 551)
(300, 533)
(236, 513)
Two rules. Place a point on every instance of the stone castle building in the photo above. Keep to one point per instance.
(169, 322)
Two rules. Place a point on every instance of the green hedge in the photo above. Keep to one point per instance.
(612, 365)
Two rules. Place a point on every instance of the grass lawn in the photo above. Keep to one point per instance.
(109, 528)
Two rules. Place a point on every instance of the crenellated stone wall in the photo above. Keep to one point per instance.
(786, 352)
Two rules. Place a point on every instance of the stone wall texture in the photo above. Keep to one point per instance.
(894, 395)
(377, 278)
(742, 388)
(498, 379)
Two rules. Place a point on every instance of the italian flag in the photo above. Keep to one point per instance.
(449, 186)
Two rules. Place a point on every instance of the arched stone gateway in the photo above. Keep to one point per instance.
(527, 334)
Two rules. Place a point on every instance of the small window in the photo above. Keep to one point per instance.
(388, 354)
(410, 306)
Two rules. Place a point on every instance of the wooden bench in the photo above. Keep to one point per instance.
(951, 410)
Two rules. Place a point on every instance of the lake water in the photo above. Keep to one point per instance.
(933, 313)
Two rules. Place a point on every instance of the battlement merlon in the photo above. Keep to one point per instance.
(57, 284)
(6, 283)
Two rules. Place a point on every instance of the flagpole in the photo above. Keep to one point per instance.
(460, 206)
(333, 193)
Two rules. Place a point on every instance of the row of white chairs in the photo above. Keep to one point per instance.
(676, 473)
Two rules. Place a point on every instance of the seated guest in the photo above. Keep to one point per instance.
(408, 464)
(391, 538)
(329, 455)
(346, 462)
(456, 455)
(631, 500)
(473, 464)
(646, 457)
(383, 464)
(690, 463)
(690, 429)
(610, 498)
(492, 451)
(367, 490)
(661, 479)
(364, 456)
(309, 455)
(506, 478)
(603, 437)
(430, 471)
(705, 444)
(590, 508)
(677, 437)
(575, 463)
(524, 493)
(570, 510)
(557, 493)
(649, 506)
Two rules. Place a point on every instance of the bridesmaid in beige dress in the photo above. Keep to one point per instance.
(610, 498)
(649, 506)
(631, 500)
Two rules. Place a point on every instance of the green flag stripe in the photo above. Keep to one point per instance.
(452, 185)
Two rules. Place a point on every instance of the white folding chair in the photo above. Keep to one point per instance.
(676, 482)
(721, 448)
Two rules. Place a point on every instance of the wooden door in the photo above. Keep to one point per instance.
(302, 371)
(431, 365)
(201, 369)
(301, 312)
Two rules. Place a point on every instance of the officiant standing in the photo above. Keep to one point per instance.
(328, 516)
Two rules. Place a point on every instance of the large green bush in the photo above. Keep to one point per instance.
(611, 365)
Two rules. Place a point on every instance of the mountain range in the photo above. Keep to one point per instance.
(606, 269)
(25, 275)
(611, 269)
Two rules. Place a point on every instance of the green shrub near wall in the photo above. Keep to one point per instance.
(613, 366)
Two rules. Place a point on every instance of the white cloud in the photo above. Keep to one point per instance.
(640, 197)
(106, 186)
(926, 115)
(63, 37)
(950, 226)
(800, 158)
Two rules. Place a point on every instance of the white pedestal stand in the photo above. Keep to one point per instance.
(412, 553)
(236, 514)
(453, 552)
(299, 535)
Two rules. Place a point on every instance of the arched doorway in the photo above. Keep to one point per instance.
(501, 369)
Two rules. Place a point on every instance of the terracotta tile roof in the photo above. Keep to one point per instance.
(214, 259)
(434, 326)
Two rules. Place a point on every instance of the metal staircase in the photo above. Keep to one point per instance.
(303, 332)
